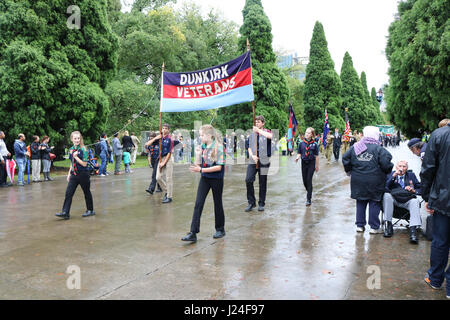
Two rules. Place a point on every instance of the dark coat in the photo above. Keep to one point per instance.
(45, 153)
(435, 173)
(391, 183)
(127, 143)
(35, 152)
(368, 172)
(337, 142)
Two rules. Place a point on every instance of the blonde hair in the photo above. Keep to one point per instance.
(217, 139)
(313, 132)
(81, 137)
(443, 123)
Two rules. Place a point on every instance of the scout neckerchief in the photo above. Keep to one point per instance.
(74, 166)
(205, 153)
(308, 145)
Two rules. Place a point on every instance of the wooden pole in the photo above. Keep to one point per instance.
(160, 113)
(254, 117)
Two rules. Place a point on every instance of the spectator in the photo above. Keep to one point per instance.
(443, 123)
(127, 142)
(45, 157)
(35, 149)
(368, 163)
(117, 149)
(136, 143)
(103, 155)
(4, 154)
(435, 175)
(20, 151)
(126, 161)
(417, 147)
(188, 149)
(401, 187)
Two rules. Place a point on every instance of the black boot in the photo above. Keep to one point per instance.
(45, 176)
(48, 177)
(388, 229)
(413, 237)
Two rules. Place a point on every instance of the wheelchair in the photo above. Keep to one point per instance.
(399, 214)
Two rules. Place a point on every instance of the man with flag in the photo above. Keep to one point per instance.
(326, 138)
(347, 133)
(292, 129)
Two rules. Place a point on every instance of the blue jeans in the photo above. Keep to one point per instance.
(374, 212)
(440, 247)
(102, 169)
(21, 163)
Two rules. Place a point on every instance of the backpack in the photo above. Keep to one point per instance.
(98, 148)
(402, 195)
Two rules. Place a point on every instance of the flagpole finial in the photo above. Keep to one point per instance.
(248, 45)
(346, 109)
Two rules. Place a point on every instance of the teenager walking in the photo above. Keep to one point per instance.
(210, 162)
(78, 175)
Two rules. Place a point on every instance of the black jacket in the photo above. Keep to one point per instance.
(127, 143)
(410, 177)
(45, 153)
(435, 173)
(368, 172)
(337, 142)
(35, 152)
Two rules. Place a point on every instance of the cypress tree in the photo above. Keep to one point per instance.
(269, 83)
(322, 88)
(418, 52)
(52, 77)
(372, 112)
(376, 105)
(352, 95)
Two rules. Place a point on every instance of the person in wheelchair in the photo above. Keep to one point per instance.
(402, 188)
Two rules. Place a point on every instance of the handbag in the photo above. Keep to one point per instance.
(52, 156)
(401, 195)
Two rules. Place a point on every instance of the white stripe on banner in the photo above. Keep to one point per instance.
(228, 98)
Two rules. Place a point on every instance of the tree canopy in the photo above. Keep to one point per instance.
(418, 52)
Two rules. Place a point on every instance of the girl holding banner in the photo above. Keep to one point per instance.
(210, 162)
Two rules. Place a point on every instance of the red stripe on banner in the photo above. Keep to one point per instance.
(241, 79)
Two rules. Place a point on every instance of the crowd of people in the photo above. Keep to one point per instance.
(374, 180)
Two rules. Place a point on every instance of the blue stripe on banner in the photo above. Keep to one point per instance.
(235, 96)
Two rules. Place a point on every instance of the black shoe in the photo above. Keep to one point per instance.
(190, 237)
(219, 234)
(63, 215)
(48, 177)
(149, 191)
(260, 208)
(388, 229)
(88, 213)
(167, 200)
(165, 197)
(250, 207)
(308, 203)
(413, 238)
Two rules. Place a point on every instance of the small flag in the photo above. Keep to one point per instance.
(347, 127)
(326, 129)
(292, 128)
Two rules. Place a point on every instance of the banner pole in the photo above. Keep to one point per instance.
(254, 120)
(160, 113)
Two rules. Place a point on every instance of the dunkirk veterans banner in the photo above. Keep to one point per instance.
(220, 86)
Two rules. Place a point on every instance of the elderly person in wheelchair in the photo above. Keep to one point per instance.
(402, 188)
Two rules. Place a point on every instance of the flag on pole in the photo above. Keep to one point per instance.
(292, 128)
(347, 126)
(216, 87)
(326, 129)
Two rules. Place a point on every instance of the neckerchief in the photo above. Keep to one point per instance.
(74, 167)
(308, 145)
(205, 153)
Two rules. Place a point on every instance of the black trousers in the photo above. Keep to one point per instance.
(202, 192)
(250, 179)
(84, 180)
(3, 175)
(336, 150)
(308, 168)
(153, 183)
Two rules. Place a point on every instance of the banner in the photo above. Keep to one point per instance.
(220, 86)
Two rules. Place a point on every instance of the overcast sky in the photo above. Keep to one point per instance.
(357, 26)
